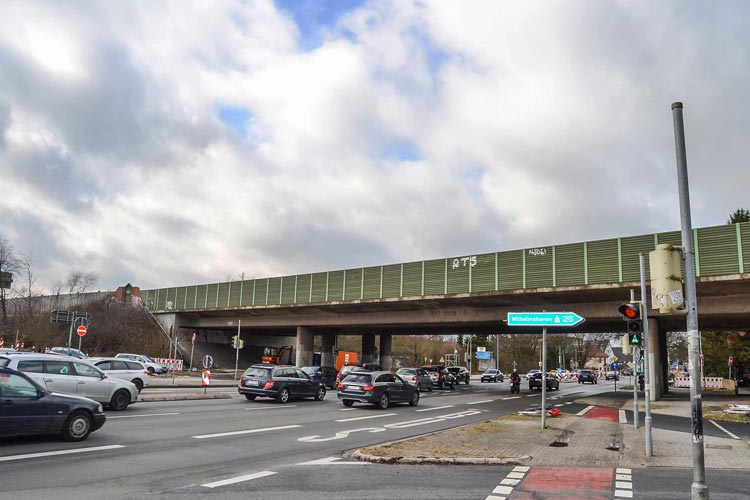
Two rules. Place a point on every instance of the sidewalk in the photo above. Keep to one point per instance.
(519, 440)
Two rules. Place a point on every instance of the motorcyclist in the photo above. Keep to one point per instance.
(515, 379)
(641, 381)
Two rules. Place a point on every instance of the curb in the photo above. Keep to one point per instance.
(358, 455)
(183, 397)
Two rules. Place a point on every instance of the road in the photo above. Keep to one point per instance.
(231, 448)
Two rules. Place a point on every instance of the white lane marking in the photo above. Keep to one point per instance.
(144, 415)
(532, 395)
(365, 417)
(249, 431)
(270, 407)
(480, 402)
(239, 479)
(623, 417)
(733, 436)
(512, 397)
(558, 406)
(347, 409)
(510, 482)
(625, 485)
(503, 490)
(620, 470)
(436, 408)
(624, 493)
(521, 468)
(59, 452)
(332, 461)
(569, 403)
(495, 497)
(585, 411)
(515, 475)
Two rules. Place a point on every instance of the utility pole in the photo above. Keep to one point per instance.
(635, 368)
(699, 489)
(646, 370)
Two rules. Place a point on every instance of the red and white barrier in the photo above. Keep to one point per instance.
(707, 382)
(170, 363)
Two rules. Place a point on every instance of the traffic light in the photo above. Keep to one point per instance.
(242, 343)
(631, 313)
(234, 341)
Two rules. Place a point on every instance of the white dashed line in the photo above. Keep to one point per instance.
(733, 436)
(239, 479)
(506, 485)
(144, 415)
(366, 417)
(584, 411)
(270, 407)
(249, 431)
(623, 417)
(480, 402)
(511, 397)
(59, 452)
(332, 461)
(532, 395)
(623, 483)
(347, 409)
(435, 408)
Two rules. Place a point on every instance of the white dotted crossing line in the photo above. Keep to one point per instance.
(623, 483)
(505, 488)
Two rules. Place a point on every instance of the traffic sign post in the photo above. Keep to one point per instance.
(544, 319)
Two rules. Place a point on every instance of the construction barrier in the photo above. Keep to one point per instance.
(170, 363)
(707, 382)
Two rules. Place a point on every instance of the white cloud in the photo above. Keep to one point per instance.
(412, 131)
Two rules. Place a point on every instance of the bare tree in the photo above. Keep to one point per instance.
(8, 264)
(77, 282)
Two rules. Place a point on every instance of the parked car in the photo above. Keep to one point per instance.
(416, 377)
(535, 381)
(587, 376)
(492, 375)
(460, 373)
(441, 378)
(30, 409)
(68, 351)
(378, 388)
(280, 382)
(151, 365)
(346, 369)
(325, 374)
(612, 375)
(69, 375)
(124, 369)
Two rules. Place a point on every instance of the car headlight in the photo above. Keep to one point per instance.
(100, 409)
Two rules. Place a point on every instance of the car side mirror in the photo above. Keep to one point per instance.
(104, 375)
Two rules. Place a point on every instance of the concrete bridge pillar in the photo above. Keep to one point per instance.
(304, 347)
(368, 347)
(656, 358)
(326, 355)
(386, 343)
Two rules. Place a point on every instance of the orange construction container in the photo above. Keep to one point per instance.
(345, 358)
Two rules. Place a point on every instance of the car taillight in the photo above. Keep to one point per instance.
(239, 382)
(338, 378)
(269, 384)
(368, 388)
(437, 376)
(414, 378)
(340, 386)
(145, 372)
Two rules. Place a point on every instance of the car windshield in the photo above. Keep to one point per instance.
(490, 372)
(4, 361)
(310, 370)
(431, 368)
(406, 371)
(358, 378)
(257, 372)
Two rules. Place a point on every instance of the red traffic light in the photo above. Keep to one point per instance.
(630, 311)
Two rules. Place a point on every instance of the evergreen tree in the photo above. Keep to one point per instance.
(739, 215)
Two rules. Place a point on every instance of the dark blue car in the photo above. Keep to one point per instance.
(325, 374)
(378, 388)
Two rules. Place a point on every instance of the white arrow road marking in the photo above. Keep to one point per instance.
(435, 408)
(425, 421)
(145, 415)
(733, 436)
(249, 431)
(332, 461)
(339, 435)
(366, 417)
(239, 479)
(59, 452)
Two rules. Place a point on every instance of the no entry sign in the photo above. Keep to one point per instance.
(81, 330)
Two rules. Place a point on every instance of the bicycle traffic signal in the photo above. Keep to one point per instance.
(631, 313)
(234, 341)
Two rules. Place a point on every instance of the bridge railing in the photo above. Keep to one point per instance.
(720, 250)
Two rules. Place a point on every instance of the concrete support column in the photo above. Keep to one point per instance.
(386, 361)
(655, 364)
(326, 356)
(368, 347)
(304, 347)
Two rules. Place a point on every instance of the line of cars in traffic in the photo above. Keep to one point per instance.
(65, 393)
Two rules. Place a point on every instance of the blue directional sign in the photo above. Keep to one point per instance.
(483, 355)
(675, 364)
(614, 366)
(559, 319)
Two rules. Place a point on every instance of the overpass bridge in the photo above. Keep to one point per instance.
(463, 294)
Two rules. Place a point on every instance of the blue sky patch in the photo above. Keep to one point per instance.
(403, 150)
(235, 118)
(314, 17)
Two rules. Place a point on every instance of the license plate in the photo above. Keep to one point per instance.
(253, 382)
(354, 387)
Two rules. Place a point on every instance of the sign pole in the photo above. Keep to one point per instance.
(646, 367)
(192, 348)
(544, 377)
(237, 349)
(699, 489)
(635, 367)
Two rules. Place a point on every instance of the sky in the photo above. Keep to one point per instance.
(166, 143)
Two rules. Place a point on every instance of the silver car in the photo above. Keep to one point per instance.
(151, 365)
(124, 369)
(416, 377)
(69, 375)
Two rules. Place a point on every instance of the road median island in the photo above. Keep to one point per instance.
(184, 396)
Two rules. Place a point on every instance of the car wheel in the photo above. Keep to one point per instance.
(467, 380)
(250, 397)
(348, 402)
(138, 384)
(120, 400)
(77, 426)
(283, 396)
(414, 399)
(321, 394)
(419, 387)
(150, 370)
(481, 381)
(531, 387)
(383, 401)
